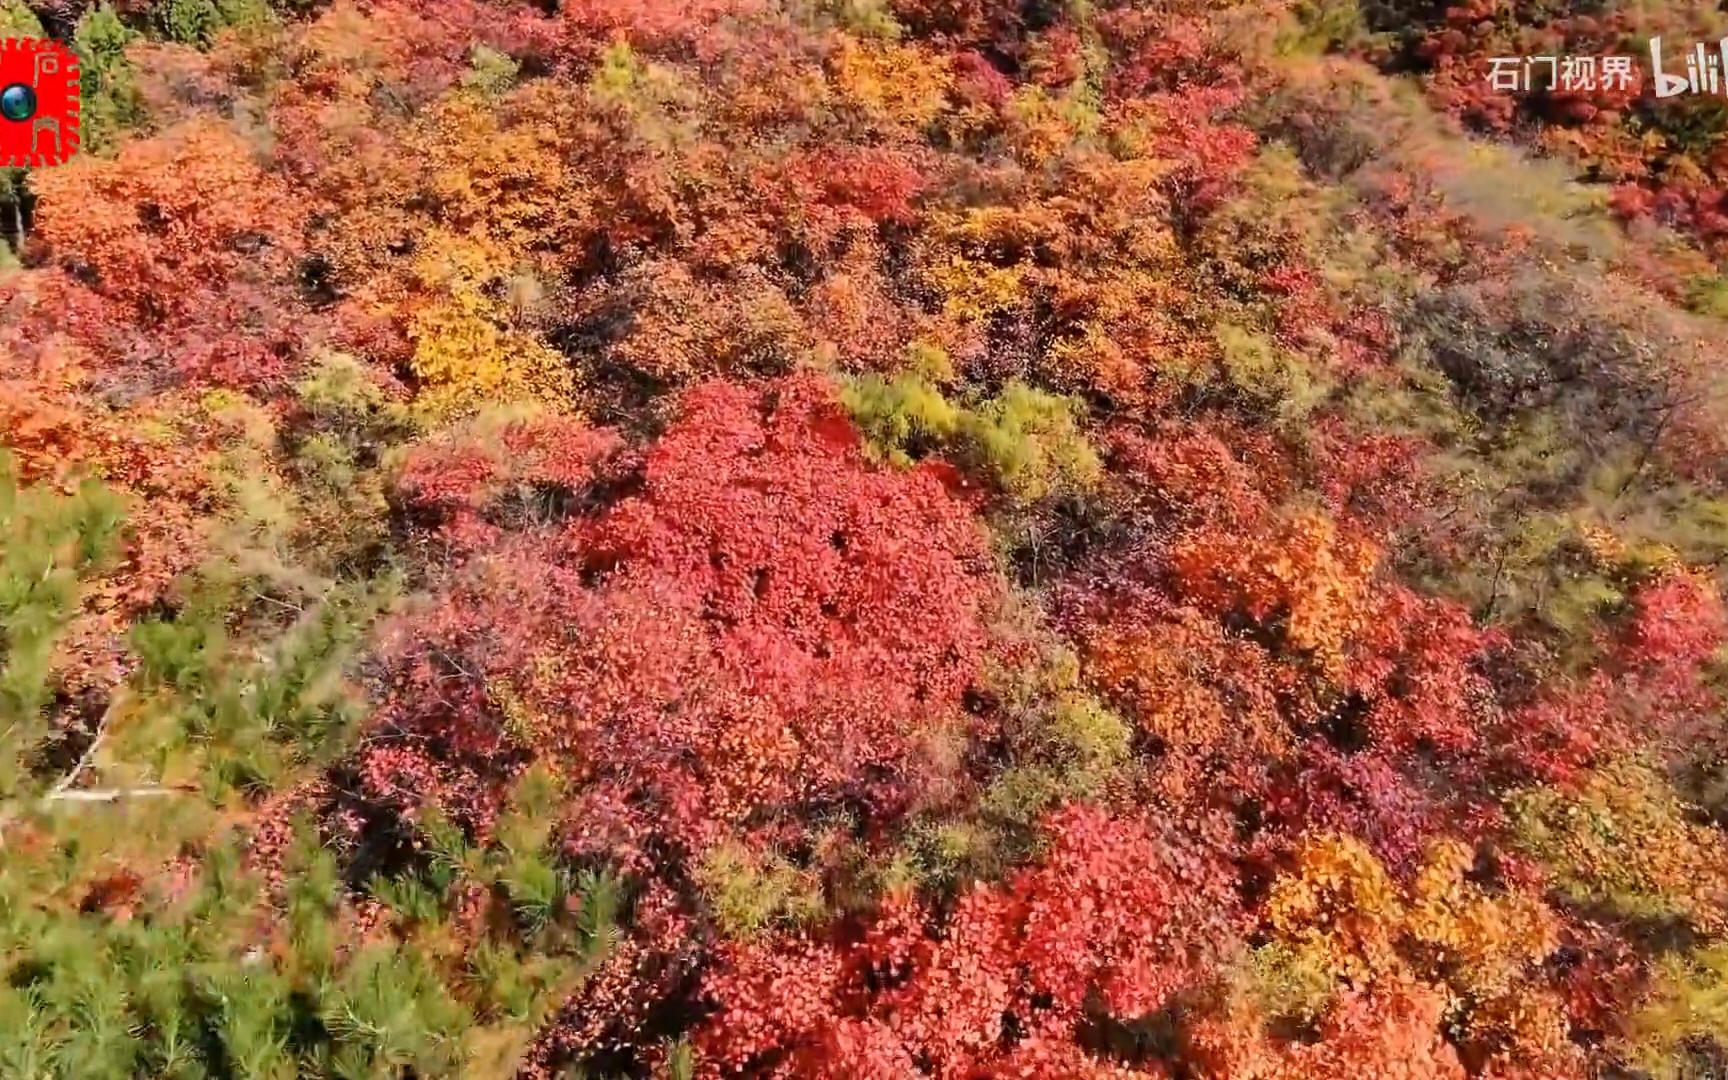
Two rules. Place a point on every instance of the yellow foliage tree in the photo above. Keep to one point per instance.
(467, 354)
(505, 166)
(1688, 1001)
(1622, 840)
(1479, 942)
(1340, 909)
(892, 84)
(1339, 912)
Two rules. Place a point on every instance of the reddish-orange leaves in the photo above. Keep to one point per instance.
(769, 623)
(1116, 918)
(1305, 571)
(168, 219)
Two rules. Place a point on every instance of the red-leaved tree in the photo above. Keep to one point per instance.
(767, 629)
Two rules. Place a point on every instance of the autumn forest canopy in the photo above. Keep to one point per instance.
(864, 539)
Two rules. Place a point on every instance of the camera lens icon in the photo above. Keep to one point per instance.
(17, 102)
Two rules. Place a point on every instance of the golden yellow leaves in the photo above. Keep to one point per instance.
(502, 168)
(467, 360)
(980, 263)
(1482, 941)
(974, 291)
(1324, 577)
(1098, 254)
(467, 353)
(1045, 126)
(435, 222)
(1339, 911)
(1688, 1001)
(1622, 840)
(1340, 906)
(892, 84)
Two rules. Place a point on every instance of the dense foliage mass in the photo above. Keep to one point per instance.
(863, 539)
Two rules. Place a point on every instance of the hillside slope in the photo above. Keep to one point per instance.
(862, 539)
